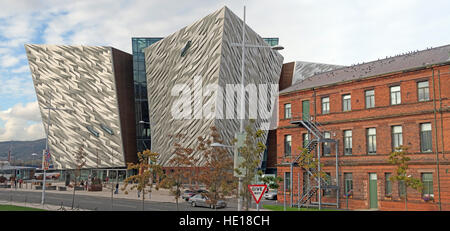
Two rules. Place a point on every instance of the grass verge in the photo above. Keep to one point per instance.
(281, 208)
(17, 208)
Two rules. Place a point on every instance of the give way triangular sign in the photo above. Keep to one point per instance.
(257, 191)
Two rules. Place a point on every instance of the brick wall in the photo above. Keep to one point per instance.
(409, 114)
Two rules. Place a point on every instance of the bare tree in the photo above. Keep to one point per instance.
(80, 159)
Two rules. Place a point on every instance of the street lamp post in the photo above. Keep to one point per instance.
(49, 108)
(242, 112)
(34, 158)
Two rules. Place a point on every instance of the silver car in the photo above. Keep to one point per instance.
(270, 195)
(204, 201)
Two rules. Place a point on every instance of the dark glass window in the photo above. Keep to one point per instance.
(287, 111)
(347, 142)
(346, 102)
(327, 192)
(425, 137)
(396, 95)
(348, 183)
(306, 183)
(427, 180)
(287, 145)
(371, 140)
(325, 105)
(327, 145)
(287, 176)
(401, 188)
(370, 98)
(387, 184)
(423, 91)
(397, 137)
(305, 137)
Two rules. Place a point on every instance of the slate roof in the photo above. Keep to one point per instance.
(388, 65)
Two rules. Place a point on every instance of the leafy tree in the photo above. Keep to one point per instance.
(182, 162)
(251, 153)
(398, 157)
(217, 174)
(271, 181)
(80, 159)
(309, 162)
(147, 168)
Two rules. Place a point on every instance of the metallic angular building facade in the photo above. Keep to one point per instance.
(203, 50)
(96, 84)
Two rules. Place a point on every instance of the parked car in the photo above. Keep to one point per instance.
(204, 201)
(270, 195)
(187, 194)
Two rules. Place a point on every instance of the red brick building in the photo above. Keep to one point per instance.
(369, 109)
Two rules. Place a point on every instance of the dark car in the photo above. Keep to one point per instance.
(203, 201)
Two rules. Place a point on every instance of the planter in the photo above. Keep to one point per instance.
(95, 187)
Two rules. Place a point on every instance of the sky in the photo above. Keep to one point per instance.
(341, 32)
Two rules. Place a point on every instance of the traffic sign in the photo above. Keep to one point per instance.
(257, 191)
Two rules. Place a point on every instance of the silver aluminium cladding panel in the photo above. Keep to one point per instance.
(81, 79)
(200, 59)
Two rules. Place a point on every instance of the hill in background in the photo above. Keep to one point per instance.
(21, 150)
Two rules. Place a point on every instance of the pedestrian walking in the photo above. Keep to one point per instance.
(117, 189)
(139, 193)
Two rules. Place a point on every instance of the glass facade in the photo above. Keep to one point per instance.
(140, 92)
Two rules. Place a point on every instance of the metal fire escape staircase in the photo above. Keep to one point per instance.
(317, 183)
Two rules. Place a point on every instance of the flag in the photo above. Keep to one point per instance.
(47, 158)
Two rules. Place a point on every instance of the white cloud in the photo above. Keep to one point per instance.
(8, 61)
(17, 87)
(22, 123)
(22, 69)
(341, 32)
